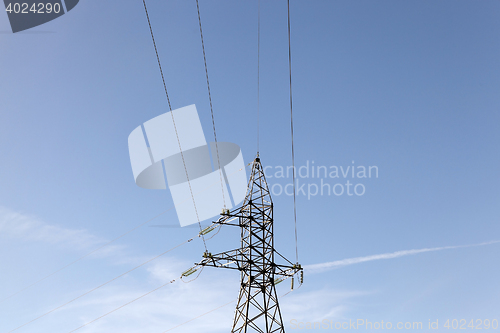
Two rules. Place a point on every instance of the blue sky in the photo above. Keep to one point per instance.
(408, 87)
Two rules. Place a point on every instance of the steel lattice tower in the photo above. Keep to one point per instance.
(257, 309)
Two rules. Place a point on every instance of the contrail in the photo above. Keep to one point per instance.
(326, 266)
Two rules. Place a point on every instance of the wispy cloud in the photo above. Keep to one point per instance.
(164, 309)
(180, 302)
(29, 228)
(316, 305)
(326, 266)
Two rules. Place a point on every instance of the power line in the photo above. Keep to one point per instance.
(88, 254)
(258, 78)
(210, 100)
(173, 120)
(109, 281)
(124, 305)
(291, 129)
(152, 291)
(157, 56)
(192, 319)
(106, 244)
(115, 278)
(213, 123)
(102, 285)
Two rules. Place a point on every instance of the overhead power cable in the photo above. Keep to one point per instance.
(173, 120)
(109, 281)
(124, 305)
(102, 285)
(291, 130)
(211, 107)
(292, 289)
(157, 56)
(152, 291)
(82, 257)
(258, 77)
(103, 246)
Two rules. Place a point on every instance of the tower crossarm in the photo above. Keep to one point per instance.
(234, 259)
(287, 271)
(239, 259)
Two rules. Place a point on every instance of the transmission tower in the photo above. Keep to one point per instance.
(257, 309)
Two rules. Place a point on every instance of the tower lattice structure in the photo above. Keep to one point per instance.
(257, 309)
